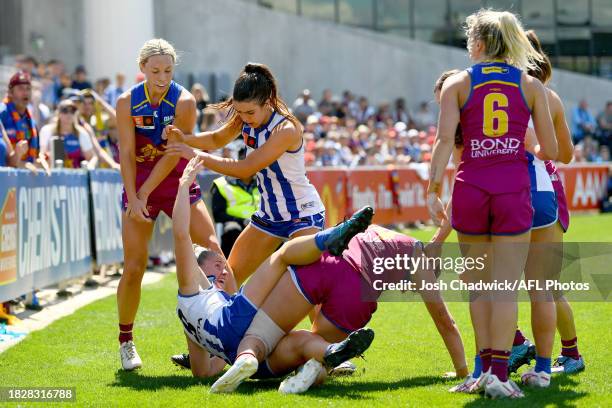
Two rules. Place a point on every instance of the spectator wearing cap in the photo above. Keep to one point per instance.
(304, 106)
(79, 81)
(583, 122)
(312, 126)
(17, 118)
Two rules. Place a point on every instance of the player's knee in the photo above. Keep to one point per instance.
(199, 372)
(277, 258)
(133, 270)
(300, 337)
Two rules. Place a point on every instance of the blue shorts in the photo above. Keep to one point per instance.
(544, 205)
(220, 332)
(285, 229)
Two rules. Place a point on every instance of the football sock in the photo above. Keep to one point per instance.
(542, 364)
(125, 332)
(499, 364)
(485, 358)
(569, 348)
(477, 367)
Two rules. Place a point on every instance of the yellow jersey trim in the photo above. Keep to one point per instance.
(496, 82)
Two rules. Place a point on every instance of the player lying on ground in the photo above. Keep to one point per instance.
(344, 288)
(215, 322)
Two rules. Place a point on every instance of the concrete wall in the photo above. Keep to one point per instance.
(113, 35)
(221, 36)
(60, 24)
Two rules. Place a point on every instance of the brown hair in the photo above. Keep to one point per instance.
(202, 254)
(438, 87)
(443, 77)
(256, 84)
(543, 72)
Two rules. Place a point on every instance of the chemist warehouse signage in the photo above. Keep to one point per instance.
(45, 229)
(106, 190)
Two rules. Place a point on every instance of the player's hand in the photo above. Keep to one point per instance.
(137, 209)
(180, 150)
(33, 169)
(436, 209)
(173, 134)
(21, 148)
(193, 168)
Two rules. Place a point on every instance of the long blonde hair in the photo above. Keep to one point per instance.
(156, 46)
(55, 121)
(503, 37)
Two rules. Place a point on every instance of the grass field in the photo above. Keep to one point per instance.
(402, 368)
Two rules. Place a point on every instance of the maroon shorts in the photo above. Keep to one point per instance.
(564, 216)
(163, 197)
(335, 285)
(477, 212)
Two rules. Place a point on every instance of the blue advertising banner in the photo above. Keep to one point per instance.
(50, 225)
(162, 240)
(50, 215)
(106, 187)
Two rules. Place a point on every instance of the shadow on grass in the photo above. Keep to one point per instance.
(540, 397)
(347, 388)
(138, 381)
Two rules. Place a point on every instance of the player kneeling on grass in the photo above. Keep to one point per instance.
(215, 322)
(344, 286)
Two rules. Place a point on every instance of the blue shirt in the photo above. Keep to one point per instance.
(581, 117)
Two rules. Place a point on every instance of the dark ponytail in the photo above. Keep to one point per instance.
(257, 84)
(544, 67)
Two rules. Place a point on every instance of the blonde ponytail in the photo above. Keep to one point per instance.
(520, 51)
(503, 37)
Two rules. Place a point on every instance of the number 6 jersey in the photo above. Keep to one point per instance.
(494, 120)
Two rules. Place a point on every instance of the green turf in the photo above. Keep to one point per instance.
(403, 366)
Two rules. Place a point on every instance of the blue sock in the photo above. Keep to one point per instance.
(542, 364)
(321, 237)
(477, 366)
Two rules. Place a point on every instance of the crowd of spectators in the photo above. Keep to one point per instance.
(592, 135)
(44, 104)
(345, 130)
